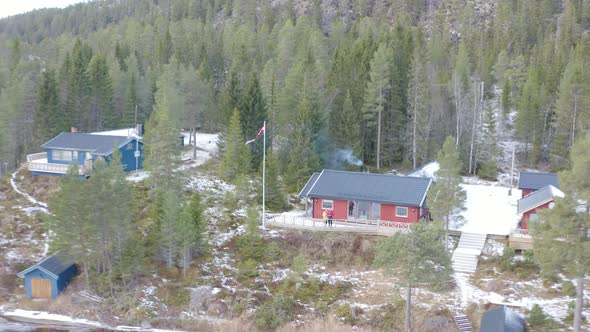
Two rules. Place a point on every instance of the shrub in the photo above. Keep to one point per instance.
(536, 316)
(488, 170)
(274, 313)
(506, 259)
(247, 269)
(344, 312)
(568, 288)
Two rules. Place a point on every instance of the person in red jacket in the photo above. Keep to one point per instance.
(330, 217)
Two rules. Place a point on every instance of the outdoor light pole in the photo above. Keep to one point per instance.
(263, 175)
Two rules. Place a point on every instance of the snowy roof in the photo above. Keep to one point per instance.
(426, 171)
(501, 319)
(536, 181)
(538, 198)
(95, 144)
(52, 265)
(126, 132)
(309, 184)
(385, 188)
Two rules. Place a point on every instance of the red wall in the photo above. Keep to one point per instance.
(388, 213)
(527, 215)
(526, 192)
(340, 209)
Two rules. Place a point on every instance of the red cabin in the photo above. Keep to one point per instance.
(540, 199)
(367, 197)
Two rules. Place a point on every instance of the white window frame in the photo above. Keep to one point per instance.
(324, 201)
(75, 155)
(62, 155)
(534, 217)
(398, 214)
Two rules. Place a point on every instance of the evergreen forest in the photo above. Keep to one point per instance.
(385, 80)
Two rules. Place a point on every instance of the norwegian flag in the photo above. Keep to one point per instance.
(260, 132)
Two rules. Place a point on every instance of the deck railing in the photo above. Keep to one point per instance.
(36, 156)
(520, 233)
(362, 226)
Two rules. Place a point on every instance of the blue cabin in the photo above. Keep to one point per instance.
(49, 277)
(67, 149)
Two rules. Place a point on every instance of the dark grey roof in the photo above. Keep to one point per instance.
(52, 265)
(501, 319)
(95, 144)
(536, 181)
(309, 184)
(538, 198)
(382, 188)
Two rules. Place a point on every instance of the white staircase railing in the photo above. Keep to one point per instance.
(468, 250)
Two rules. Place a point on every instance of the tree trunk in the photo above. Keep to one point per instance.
(408, 305)
(473, 129)
(447, 231)
(194, 133)
(414, 131)
(379, 139)
(579, 303)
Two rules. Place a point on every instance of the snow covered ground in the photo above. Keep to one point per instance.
(65, 321)
(489, 209)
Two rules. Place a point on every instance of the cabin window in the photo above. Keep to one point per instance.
(61, 155)
(534, 217)
(75, 155)
(129, 146)
(327, 204)
(375, 211)
(364, 209)
(401, 211)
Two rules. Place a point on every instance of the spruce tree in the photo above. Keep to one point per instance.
(49, 119)
(161, 140)
(252, 117)
(303, 158)
(447, 198)
(276, 197)
(416, 257)
(100, 103)
(236, 157)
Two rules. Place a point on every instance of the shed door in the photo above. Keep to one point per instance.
(41, 288)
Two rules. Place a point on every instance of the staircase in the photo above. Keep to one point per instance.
(463, 323)
(468, 250)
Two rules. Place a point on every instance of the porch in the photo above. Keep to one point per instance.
(368, 227)
(37, 162)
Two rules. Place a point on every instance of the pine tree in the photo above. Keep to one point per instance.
(236, 157)
(562, 239)
(446, 196)
(375, 98)
(573, 104)
(347, 124)
(76, 100)
(416, 257)
(171, 215)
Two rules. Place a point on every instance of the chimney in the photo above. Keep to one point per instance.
(74, 130)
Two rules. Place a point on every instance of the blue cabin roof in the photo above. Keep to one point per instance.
(536, 181)
(53, 265)
(95, 144)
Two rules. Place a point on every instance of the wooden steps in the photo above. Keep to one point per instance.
(463, 323)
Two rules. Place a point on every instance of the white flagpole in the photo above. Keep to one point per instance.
(263, 175)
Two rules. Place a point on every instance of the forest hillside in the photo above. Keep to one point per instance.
(387, 80)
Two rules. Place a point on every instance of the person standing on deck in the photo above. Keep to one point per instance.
(325, 217)
(330, 216)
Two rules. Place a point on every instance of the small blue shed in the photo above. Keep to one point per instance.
(50, 276)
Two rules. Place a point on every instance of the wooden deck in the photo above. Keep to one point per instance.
(367, 227)
(520, 239)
